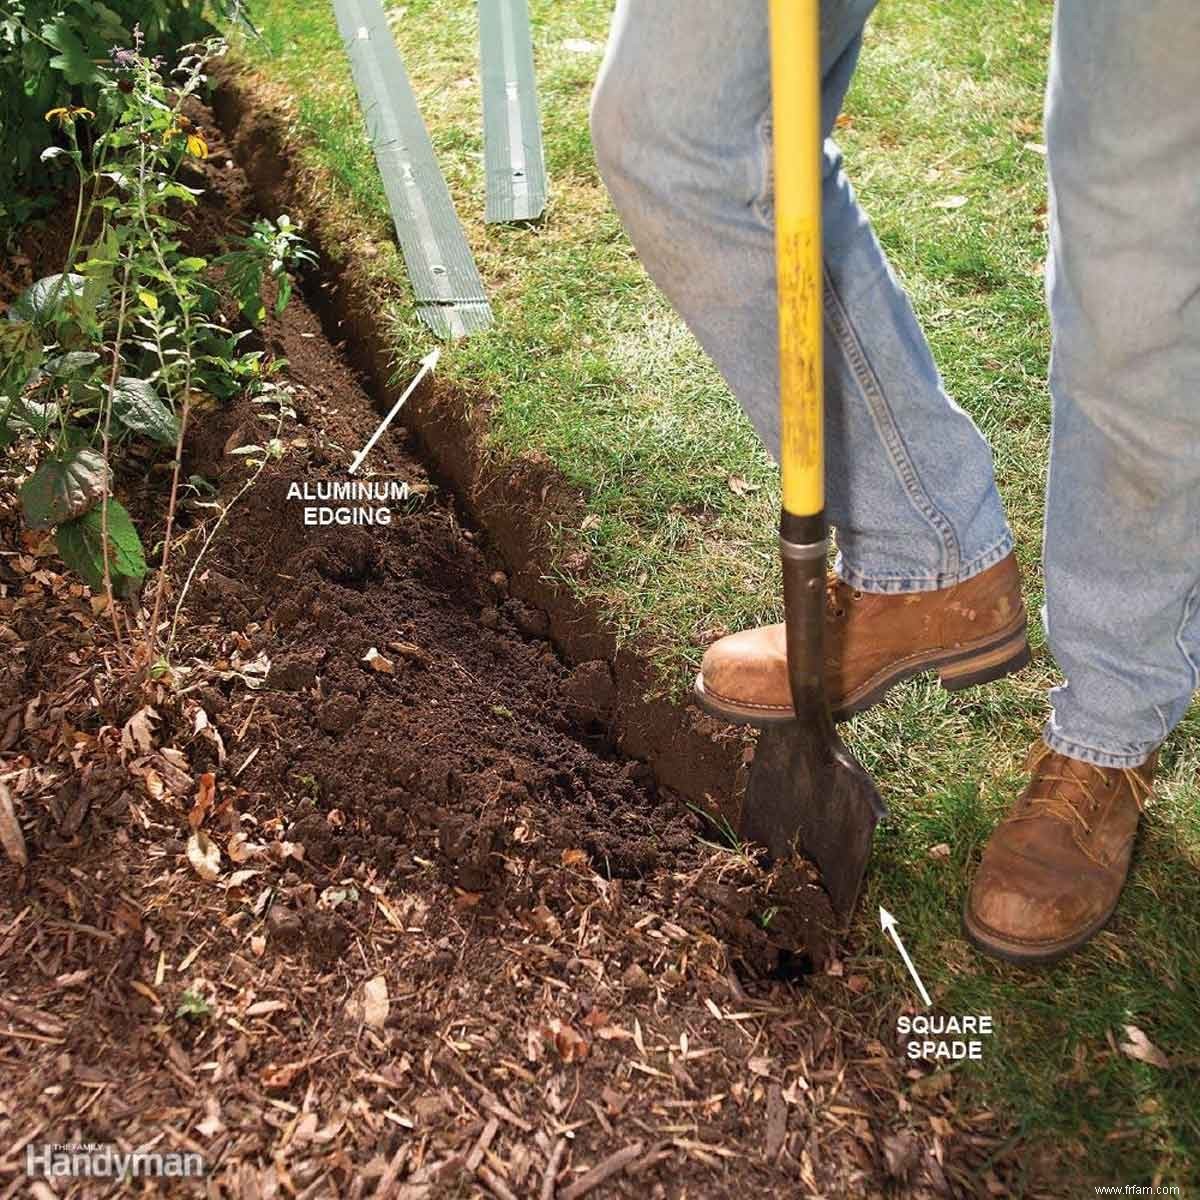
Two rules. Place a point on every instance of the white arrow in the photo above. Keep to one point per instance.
(427, 365)
(888, 923)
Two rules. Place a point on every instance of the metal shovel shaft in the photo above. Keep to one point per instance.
(805, 791)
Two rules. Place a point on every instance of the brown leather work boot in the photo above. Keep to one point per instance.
(970, 633)
(1053, 869)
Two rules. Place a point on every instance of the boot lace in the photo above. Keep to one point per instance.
(1073, 799)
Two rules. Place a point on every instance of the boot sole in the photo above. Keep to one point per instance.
(1021, 954)
(998, 656)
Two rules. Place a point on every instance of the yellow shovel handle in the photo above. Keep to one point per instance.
(796, 104)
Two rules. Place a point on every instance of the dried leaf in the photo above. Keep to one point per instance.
(1140, 1047)
(613, 1033)
(389, 913)
(137, 736)
(411, 651)
(574, 858)
(205, 728)
(595, 1018)
(544, 921)
(11, 837)
(375, 1002)
(206, 792)
(940, 851)
(241, 849)
(205, 855)
(212, 1123)
(570, 1046)
(377, 662)
(932, 1085)
(280, 1078)
(261, 1008)
(950, 202)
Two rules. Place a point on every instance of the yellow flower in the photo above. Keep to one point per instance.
(66, 114)
(195, 143)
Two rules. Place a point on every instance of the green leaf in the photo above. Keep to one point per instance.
(63, 488)
(20, 354)
(137, 406)
(43, 301)
(284, 295)
(39, 417)
(72, 58)
(149, 299)
(81, 544)
(70, 363)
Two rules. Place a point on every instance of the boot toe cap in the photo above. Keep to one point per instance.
(748, 668)
(1031, 903)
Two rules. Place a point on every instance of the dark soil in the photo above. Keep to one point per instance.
(477, 736)
(414, 794)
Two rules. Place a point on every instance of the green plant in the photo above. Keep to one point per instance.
(51, 49)
(194, 1006)
(718, 822)
(309, 786)
(765, 918)
(124, 343)
(271, 250)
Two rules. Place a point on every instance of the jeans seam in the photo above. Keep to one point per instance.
(877, 581)
(1094, 754)
(885, 425)
(1189, 610)
(764, 200)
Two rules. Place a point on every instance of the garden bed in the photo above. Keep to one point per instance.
(570, 970)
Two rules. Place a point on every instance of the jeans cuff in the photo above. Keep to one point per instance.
(1093, 754)
(868, 581)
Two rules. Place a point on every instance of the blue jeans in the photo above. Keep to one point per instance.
(681, 126)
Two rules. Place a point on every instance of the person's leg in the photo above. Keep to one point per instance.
(1122, 551)
(681, 124)
(1122, 547)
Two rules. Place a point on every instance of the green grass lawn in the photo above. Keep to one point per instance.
(587, 365)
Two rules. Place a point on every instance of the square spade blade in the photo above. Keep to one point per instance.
(807, 793)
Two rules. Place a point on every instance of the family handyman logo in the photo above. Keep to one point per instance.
(54, 1160)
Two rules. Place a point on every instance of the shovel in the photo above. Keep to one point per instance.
(806, 791)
